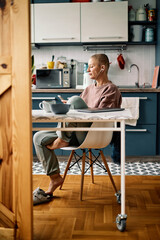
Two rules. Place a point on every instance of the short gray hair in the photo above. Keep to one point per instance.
(102, 59)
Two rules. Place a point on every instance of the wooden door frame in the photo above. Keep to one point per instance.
(16, 125)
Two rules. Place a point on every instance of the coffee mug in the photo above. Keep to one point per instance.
(45, 105)
(50, 65)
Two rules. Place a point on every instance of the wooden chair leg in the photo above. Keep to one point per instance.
(82, 174)
(67, 167)
(90, 161)
(109, 173)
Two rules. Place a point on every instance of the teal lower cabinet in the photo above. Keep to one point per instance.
(141, 140)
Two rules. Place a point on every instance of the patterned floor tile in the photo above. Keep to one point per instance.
(136, 168)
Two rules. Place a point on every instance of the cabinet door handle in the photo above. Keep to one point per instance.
(109, 37)
(143, 98)
(136, 130)
(41, 98)
(45, 39)
(60, 78)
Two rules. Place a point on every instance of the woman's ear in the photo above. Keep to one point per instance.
(102, 67)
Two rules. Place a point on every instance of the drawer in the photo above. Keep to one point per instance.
(141, 140)
(148, 107)
(39, 97)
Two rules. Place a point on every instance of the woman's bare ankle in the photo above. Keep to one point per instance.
(55, 181)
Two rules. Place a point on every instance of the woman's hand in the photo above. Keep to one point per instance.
(64, 101)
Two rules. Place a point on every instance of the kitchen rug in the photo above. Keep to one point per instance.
(136, 168)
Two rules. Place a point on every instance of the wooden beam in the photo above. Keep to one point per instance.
(5, 211)
(6, 180)
(15, 121)
(7, 233)
(5, 83)
(5, 65)
(21, 117)
(5, 44)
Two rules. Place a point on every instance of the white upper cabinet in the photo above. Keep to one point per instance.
(57, 22)
(32, 23)
(104, 22)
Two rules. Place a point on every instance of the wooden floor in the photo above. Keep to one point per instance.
(94, 218)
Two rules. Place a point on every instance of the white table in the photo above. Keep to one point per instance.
(40, 116)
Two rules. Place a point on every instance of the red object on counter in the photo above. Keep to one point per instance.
(34, 79)
(121, 61)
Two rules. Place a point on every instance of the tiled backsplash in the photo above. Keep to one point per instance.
(143, 56)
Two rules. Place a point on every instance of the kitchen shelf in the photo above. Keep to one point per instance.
(142, 43)
(145, 24)
(142, 23)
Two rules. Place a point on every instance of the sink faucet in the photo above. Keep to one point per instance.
(134, 65)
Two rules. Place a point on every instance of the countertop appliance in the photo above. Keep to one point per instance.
(53, 78)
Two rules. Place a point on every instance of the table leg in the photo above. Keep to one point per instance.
(121, 218)
(123, 167)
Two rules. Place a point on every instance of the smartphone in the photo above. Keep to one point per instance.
(60, 97)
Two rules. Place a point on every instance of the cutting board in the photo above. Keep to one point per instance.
(155, 77)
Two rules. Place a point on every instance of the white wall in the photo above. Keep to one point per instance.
(143, 56)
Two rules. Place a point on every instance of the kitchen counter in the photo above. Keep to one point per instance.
(73, 90)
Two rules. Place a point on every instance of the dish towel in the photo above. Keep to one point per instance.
(131, 103)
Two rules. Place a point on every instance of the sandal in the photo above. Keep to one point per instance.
(39, 196)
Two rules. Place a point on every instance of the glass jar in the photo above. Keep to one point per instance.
(149, 35)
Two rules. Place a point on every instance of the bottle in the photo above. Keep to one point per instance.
(147, 7)
(131, 14)
(141, 14)
(85, 67)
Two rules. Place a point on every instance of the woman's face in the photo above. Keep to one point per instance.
(93, 68)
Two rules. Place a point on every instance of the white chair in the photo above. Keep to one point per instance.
(93, 140)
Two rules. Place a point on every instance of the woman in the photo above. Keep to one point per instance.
(101, 94)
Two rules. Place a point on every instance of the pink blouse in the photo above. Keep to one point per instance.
(105, 96)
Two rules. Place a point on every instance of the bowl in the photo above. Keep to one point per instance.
(60, 108)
